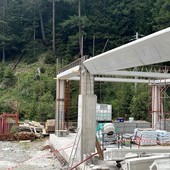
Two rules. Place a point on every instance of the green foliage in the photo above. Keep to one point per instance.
(161, 14)
(2, 69)
(46, 108)
(49, 58)
(21, 36)
(14, 130)
(8, 78)
(74, 100)
(122, 100)
(139, 104)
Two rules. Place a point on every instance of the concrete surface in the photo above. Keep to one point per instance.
(162, 164)
(142, 163)
(63, 144)
(111, 155)
(115, 154)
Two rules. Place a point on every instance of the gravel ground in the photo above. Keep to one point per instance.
(26, 156)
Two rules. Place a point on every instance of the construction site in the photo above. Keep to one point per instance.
(99, 143)
(132, 144)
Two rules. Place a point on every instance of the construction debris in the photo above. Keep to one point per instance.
(29, 130)
(7, 137)
(25, 136)
(60, 158)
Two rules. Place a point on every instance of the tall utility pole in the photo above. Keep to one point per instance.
(93, 45)
(80, 37)
(136, 37)
(3, 32)
(53, 27)
(34, 29)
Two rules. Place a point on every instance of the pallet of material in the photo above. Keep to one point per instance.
(33, 126)
(145, 136)
(18, 136)
(50, 126)
(163, 137)
(25, 136)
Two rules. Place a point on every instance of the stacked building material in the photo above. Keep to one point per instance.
(163, 137)
(103, 112)
(50, 126)
(145, 136)
(129, 126)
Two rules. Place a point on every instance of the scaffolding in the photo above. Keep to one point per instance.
(157, 102)
(63, 96)
(67, 103)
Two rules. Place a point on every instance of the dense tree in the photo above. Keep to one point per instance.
(26, 43)
(139, 104)
(161, 14)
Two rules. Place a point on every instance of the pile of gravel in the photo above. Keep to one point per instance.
(26, 156)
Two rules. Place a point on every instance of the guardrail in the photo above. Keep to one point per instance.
(73, 64)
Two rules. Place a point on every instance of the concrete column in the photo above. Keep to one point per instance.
(60, 89)
(87, 114)
(156, 107)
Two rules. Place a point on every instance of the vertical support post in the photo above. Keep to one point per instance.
(67, 102)
(135, 69)
(156, 107)
(87, 114)
(60, 105)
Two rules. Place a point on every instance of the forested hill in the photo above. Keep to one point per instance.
(27, 47)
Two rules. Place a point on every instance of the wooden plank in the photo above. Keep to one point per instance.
(99, 150)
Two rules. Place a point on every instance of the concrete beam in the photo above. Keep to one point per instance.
(161, 164)
(109, 79)
(115, 154)
(69, 73)
(151, 49)
(143, 162)
(137, 74)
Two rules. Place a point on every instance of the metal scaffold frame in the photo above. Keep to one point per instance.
(5, 122)
(67, 103)
(157, 102)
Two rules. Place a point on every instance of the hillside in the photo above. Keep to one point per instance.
(28, 51)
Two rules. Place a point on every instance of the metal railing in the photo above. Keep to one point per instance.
(73, 64)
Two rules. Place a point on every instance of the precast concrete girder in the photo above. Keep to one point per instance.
(74, 71)
(151, 49)
(137, 74)
(109, 79)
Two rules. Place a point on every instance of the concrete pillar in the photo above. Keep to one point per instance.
(86, 114)
(60, 92)
(156, 107)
